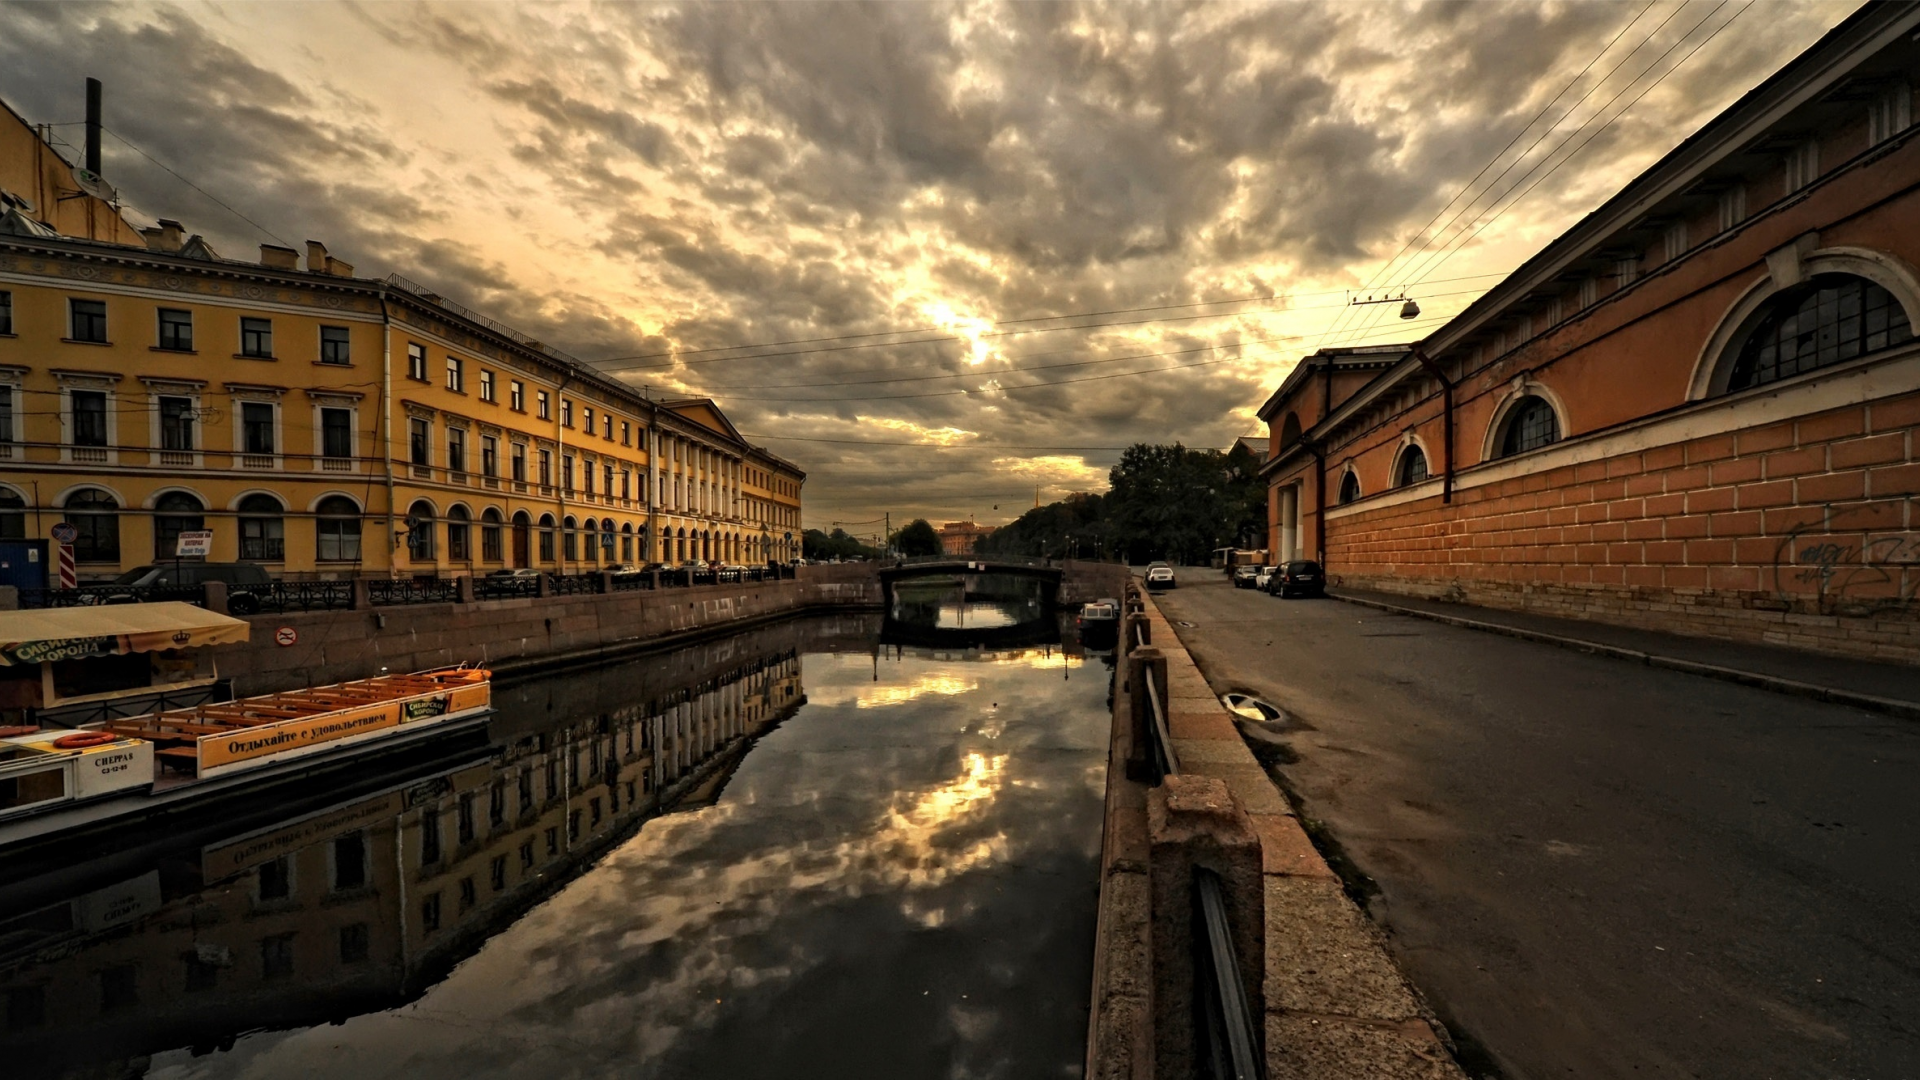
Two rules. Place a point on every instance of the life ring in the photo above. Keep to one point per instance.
(80, 739)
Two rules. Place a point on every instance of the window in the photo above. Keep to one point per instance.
(256, 338)
(586, 476)
(176, 423)
(1890, 114)
(546, 468)
(626, 484)
(569, 540)
(566, 472)
(1802, 165)
(497, 877)
(566, 413)
(1625, 272)
(275, 879)
(6, 312)
(176, 329)
(1733, 206)
(262, 529)
(419, 441)
(1589, 292)
(89, 417)
(1349, 487)
(456, 452)
(517, 462)
(174, 513)
(586, 416)
(1674, 240)
(276, 956)
(354, 941)
(489, 456)
(606, 475)
(430, 913)
(458, 548)
(335, 346)
(349, 862)
(89, 320)
(456, 375)
(420, 532)
(429, 837)
(337, 530)
(463, 818)
(546, 538)
(606, 423)
(486, 385)
(13, 516)
(336, 433)
(256, 420)
(490, 531)
(1412, 468)
(544, 403)
(468, 894)
(517, 396)
(1826, 320)
(96, 515)
(417, 362)
(626, 433)
(1530, 425)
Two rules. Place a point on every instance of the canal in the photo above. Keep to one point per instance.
(801, 851)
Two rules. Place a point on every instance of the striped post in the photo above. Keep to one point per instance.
(68, 579)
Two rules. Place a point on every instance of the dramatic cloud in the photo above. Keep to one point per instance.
(634, 183)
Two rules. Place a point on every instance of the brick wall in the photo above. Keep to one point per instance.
(1801, 532)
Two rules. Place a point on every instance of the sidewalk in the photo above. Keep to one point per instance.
(1866, 684)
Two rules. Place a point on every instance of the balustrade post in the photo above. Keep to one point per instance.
(546, 586)
(655, 575)
(213, 596)
(605, 582)
(361, 600)
(465, 585)
(9, 598)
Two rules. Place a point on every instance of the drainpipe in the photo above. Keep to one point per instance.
(1446, 412)
(1326, 388)
(386, 418)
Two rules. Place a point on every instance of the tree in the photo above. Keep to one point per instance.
(1174, 503)
(917, 538)
(815, 544)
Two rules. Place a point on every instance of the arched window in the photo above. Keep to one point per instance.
(1289, 431)
(593, 541)
(569, 539)
(1349, 487)
(459, 534)
(420, 532)
(522, 538)
(336, 525)
(1828, 319)
(683, 546)
(546, 538)
(626, 542)
(606, 539)
(1529, 425)
(174, 513)
(13, 516)
(96, 515)
(1412, 467)
(263, 533)
(490, 546)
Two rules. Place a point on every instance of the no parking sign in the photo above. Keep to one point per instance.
(286, 635)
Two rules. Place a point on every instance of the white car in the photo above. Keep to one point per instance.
(1260, 579)
(1159, 576)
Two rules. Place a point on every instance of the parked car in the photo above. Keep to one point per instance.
(1265, 575)
(190, 575)
(1243, 576)
(1302, 577)
(1159, 576)
(515, 572)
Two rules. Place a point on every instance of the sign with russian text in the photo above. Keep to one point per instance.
(194, 544)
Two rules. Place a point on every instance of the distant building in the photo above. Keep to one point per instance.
(958, 537)
(1697, 410)
(326, 425)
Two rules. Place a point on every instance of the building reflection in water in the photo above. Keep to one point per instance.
(359, 906)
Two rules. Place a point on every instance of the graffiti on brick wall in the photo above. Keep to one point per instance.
(1848, 575)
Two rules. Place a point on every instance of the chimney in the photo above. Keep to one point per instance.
(338, 268)
(168, 237)
(279, 258)
(93, 126)
(316, 257)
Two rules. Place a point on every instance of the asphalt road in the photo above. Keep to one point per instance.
(1597, 869)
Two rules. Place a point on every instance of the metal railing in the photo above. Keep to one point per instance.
(506, 588)
(1229, 1040)
(573, 584)
(413, 591)
(90, 595)
(284, 596)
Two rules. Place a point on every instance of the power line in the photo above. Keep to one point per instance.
(129, 144)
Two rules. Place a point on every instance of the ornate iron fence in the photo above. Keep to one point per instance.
(284, 596)
(574, 584)
(505, 588)
(90, 595)
(409, 591)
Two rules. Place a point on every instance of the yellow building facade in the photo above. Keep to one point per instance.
(329, 426)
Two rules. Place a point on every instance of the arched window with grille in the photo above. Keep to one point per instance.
(570, 539)
(1411, 468)
(1827, 319)
(626, 542)
(336, 530)
(491, 548)
(13, 515)
(263, 529)
(459, 533)
(546, 538)
(420, 530)
(1529, 424)
(593, 541)
(95, 514)
(1349, 487)
(174, 513)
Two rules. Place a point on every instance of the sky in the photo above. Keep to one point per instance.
(947, 258)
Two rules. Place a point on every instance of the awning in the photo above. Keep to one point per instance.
(33, 637)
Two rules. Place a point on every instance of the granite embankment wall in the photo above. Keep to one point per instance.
(523, 634)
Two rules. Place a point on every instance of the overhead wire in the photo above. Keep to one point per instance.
(210, 196)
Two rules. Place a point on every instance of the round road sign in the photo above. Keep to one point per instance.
(286, 635)
(65, 533)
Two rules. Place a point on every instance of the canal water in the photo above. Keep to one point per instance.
(797, 852)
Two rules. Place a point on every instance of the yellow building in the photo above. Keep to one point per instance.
(326, 425)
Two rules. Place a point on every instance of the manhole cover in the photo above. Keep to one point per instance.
(1187, 624)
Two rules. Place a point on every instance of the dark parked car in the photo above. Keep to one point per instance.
(191, 575)
(1301, 577)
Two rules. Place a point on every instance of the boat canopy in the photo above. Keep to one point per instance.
(34, 637)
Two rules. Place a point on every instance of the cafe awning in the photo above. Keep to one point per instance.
(33, 637)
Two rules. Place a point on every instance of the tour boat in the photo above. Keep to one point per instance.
(54, 781)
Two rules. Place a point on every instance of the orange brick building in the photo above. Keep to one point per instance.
(1696, 410)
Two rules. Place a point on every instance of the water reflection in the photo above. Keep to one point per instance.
(888, 873)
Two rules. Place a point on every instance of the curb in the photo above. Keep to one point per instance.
(1906, 710)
